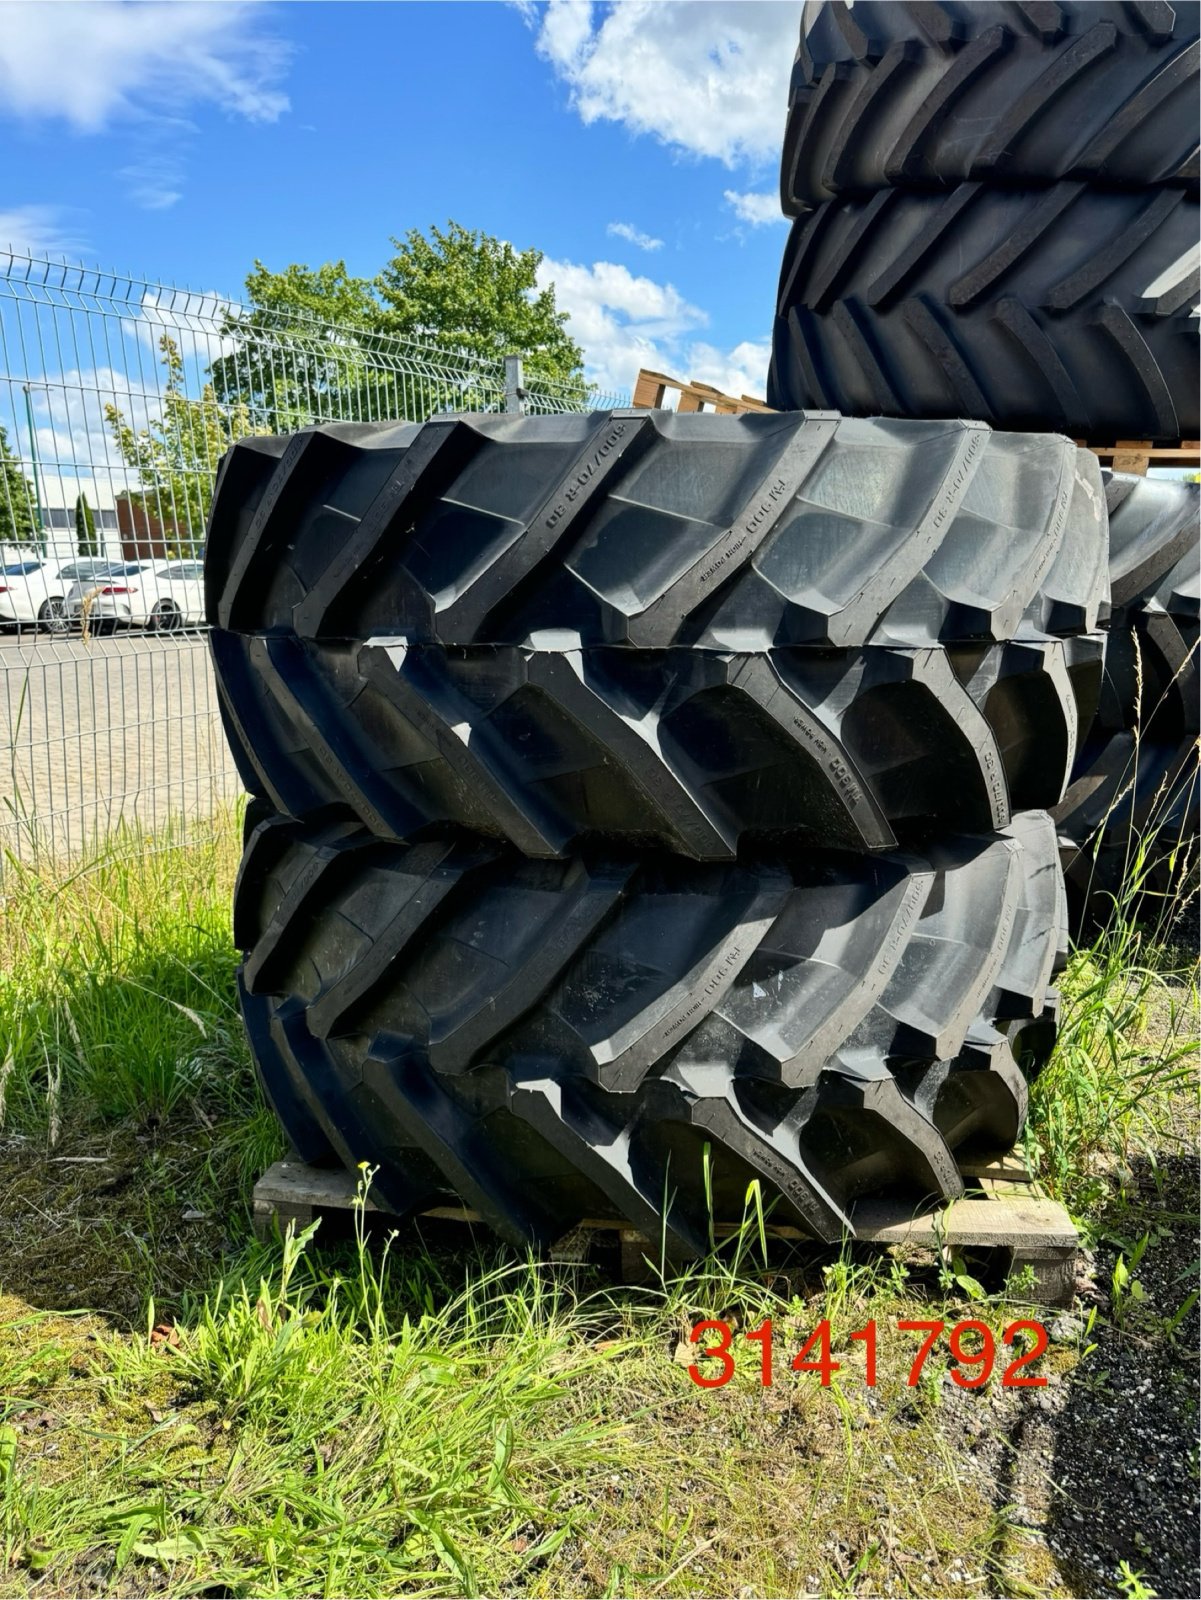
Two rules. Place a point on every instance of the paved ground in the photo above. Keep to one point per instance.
(116, 729)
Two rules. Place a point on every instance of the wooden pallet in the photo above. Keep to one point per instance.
(650, 391)
(1137, 455)
(1004, 1214)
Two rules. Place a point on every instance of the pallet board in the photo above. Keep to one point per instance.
(651, 388)
(1007, 1215)
(1138, 455)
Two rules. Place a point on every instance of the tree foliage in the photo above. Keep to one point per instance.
(320, 343)
(468, 291)
(304, 350)
(85, 528)
(328, 294)
(18, 522)
(175, 456)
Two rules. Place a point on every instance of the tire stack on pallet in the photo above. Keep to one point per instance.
(996, 216)
(635, 786)
(651, 805)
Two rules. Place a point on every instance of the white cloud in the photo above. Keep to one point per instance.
(741, 371)
(627, 231)
(660, 308)
(757, 209)
(620, 320)
(68, 411)
(37, 231)
(192, 318)
(708, 76)
(90, 64)
(624, 322)
(154, 183)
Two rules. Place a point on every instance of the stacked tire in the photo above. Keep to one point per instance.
(647, 805)
(1128, 822)
(996, 215)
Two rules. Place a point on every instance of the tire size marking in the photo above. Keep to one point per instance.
(972, 1346)
(584, 475)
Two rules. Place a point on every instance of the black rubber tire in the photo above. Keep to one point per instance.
(52, 615)
(653, 529)
(1129, 835)
(1151, 667)
(688, 750)
(1068, 309)
(559, 1040)
(257, 810)
(929, 95)
(1129, 820)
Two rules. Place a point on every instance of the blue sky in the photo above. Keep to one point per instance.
(635, 145)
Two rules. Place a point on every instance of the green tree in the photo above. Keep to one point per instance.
(303, 350)
(175, 456)
(18, 522)
(328, 294)
(85, 528)
(464, 290)
(319, 343)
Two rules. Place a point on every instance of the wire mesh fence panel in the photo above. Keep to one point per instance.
(118, 397)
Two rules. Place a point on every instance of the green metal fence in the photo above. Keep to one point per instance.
(118, 397)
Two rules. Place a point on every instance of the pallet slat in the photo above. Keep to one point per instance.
(1137, 455)
(651, 388)
(1006, 1214)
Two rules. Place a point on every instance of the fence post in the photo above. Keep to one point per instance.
(514, 387)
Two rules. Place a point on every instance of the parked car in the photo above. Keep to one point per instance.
(163, 595)
(33, 590)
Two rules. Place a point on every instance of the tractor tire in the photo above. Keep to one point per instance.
(928, 96)
(552, 1041)
(652, 529)
(1067, 309)
(1151, 666)
(692, 751)
(1128, 830)
(1129, 820)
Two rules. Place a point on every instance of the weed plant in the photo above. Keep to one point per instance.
(1126, 1046)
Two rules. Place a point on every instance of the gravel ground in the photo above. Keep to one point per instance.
(1125, 1437)
(1101, 1466)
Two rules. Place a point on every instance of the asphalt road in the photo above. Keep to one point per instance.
(118, 729)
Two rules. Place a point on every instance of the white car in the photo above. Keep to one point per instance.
(165, 595)
(33, 590)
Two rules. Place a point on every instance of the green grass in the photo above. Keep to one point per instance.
(380, 1432)
(1127, 1040)
(1126, 1045)
(437, 1419)
(116, 983)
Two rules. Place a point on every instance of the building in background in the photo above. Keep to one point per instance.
(58, 495)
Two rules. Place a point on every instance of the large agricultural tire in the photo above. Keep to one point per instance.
(1128, 831)
(693, 751)
(559, 1040)
(1151, 667)
(1129, 820)
(930, 95)
(652, 529)
(1068, 309)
